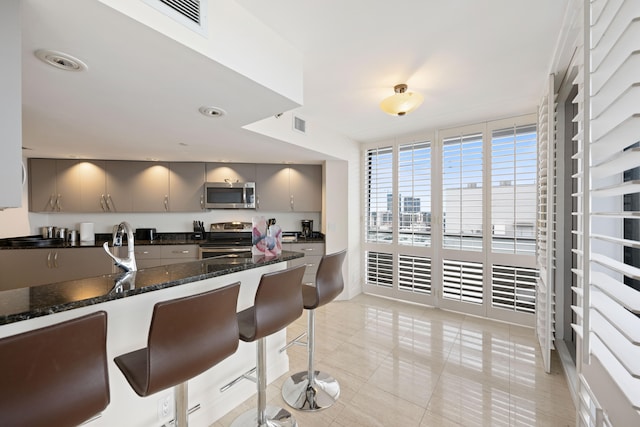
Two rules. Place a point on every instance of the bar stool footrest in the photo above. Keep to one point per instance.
(275, 417)
(320, 394)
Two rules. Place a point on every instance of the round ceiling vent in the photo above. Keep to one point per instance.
(212, 111)
(61, 60)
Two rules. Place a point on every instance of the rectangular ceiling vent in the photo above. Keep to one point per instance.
(299, 124)
(190, 13)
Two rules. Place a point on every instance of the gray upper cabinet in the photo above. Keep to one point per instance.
(186, 186)
(93, 181)
(150, 188)
(137, 186)
(295, 188)
(55, 185)
(119, 175)
(42, 185)
(272, 188)
(231, 172)
(305, 186)
(64, 185)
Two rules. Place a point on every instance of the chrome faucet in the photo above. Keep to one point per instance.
(128, 263)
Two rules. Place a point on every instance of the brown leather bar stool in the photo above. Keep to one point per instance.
(56, 375)
(278, 302)
(313, 390)
(187, 336)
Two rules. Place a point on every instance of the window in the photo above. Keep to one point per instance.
(462, 192)
(414, 194)
(428, 205)
(379, 198)
(513, 190)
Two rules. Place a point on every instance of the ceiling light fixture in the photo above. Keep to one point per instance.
(212, 111)
(401, 102)
(61, 60)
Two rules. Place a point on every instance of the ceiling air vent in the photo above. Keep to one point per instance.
(190, 13)
(299, 124)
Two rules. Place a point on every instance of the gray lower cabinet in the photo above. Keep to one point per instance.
(155, 255)
(313, 253)
(30, 267)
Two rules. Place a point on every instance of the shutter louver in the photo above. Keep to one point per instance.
(611, 325)
(380, 269)
(414, 274)
(462, 281)
(514, 288)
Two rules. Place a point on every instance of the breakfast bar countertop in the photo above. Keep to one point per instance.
(36, 301)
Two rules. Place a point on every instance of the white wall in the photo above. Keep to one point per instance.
(342, 195)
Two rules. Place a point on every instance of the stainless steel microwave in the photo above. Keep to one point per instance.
(230, 195)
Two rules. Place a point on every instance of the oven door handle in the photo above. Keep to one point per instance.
(221, 250)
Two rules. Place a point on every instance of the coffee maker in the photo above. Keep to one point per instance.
(307, 228)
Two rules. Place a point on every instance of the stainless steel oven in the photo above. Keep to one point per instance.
(227, 239)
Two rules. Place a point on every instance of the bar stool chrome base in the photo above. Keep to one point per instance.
(274, 417)
(319, 393)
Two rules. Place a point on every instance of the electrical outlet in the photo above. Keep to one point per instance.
(165, 407)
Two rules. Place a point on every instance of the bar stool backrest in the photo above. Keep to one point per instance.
(329, 280)
(56, 375)
(278, 300)
(189, 335)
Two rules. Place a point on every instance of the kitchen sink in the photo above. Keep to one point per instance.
(26, 242)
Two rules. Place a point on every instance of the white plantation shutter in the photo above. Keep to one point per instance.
(514, 288)
(414, 273)
(513, 189)
(545, 292)
(462, 172)
(462, 281)
(611, 305)
(414, 194)
(379, 269)
(379, 184)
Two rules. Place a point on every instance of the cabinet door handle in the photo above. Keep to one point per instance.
(307, 249)
(49, 260)
(55, 260)
(180, 252)
(291, 201)
(166, 202)
(58, 203)
(52, 199)
(201, 202)
(109, 203)
(102, 202)
(257, 202)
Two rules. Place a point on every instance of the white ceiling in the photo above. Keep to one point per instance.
(472, 60)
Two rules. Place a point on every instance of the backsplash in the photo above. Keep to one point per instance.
(167, 222)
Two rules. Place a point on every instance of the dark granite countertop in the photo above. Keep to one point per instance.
(35, 242)
(63, 296)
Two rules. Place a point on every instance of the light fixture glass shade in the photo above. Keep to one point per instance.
(401, 102)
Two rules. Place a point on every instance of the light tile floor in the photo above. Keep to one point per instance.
(402, 365)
